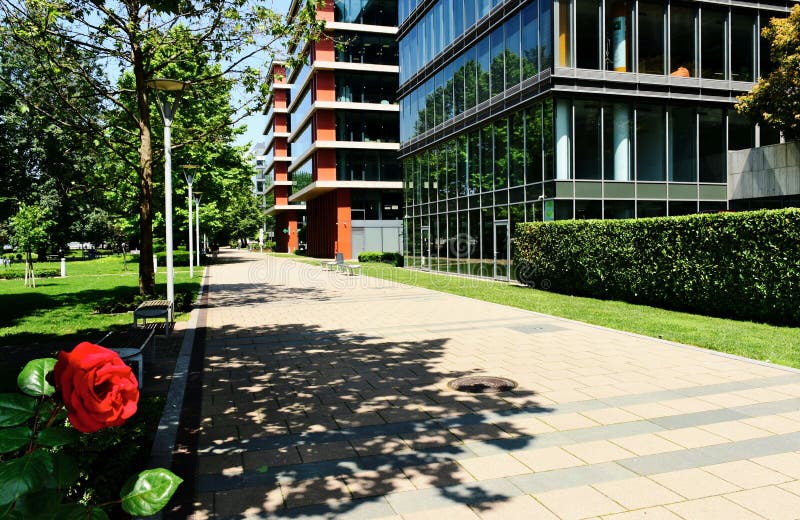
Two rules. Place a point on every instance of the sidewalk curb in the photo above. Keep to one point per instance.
(167, 432)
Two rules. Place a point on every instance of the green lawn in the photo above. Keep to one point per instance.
(61, 309)
(779, 345)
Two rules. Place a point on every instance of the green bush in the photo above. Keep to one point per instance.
(19, 273)
(179, 258)
(738, 265)
(396, 259)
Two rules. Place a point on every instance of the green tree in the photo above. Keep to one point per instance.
(775, 100)
(29, 232)
(134, 36)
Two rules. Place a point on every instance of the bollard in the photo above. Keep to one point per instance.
(155, 264)
(63, 268)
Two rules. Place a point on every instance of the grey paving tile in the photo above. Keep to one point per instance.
(770, 408)
(717, 454)
(597, 433)
(697, 419)
(571, 477)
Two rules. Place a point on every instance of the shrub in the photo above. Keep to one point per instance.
(738, 265)
(179, 258)
(395, 259)
(19, 273)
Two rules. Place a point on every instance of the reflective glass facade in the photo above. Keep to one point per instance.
(566, 109)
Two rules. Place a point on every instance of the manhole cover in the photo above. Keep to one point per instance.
(482, 384)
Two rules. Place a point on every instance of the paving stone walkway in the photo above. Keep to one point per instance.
(324, 396)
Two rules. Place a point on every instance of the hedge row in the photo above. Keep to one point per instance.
(396, 259)
(738, 265)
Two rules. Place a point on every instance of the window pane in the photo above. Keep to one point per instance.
(474, 163)
(743, 47)
(530, 41)
(565, 33)
(469, 13)
(765, 62)
(483, 70)
(563, 152)
(587, 39)
(650, 143)
(651, 38)
(501, 153)
(533, 144)
(498, 49)
(651, 208)
(682, 145)
(618, 209)
(741, 132)
(682, 38)
(512, 51)
(618, 141)
(587, 140)
(547, 138)
(487, 159)
(545, 34)
(618, 36)
(516, 150)
(712, 50)
(586, 209)
(470, 85)
(458, 86)
(713, 155)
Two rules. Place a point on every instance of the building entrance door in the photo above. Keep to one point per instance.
(425, 247)
(502, 250)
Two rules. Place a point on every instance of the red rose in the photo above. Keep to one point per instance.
(98, 389)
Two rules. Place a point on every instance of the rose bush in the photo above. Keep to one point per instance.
(98, 388)
(93, 390)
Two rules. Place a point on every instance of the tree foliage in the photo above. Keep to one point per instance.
(144, 39)
(775, 99)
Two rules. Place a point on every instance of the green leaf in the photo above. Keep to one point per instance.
(57, 436)
(14, 438)
(16, 409)
(148, 492)
(64, 473)
(24, 475)
(33, 378)
(42, 505)
(81, 512)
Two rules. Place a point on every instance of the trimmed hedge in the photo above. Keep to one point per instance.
(179, 258)
(737, 265)
(396, 259)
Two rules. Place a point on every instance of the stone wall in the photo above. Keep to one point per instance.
(768, 171)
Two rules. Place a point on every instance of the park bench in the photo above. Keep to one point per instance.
(154, 309)
(351, 269)
(333, 265)
(130, 344)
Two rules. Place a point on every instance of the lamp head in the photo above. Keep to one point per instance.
(167, 84)
(189, 172)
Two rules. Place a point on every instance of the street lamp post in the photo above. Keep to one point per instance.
(188, 172)
(167, 110)
(197, 196)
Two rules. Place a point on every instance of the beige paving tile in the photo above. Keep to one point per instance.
(598, 451)
(530, 426)
(523, 507)
(458, 512)
(376, 483)
(775, 424)
(746, 474)
(494, 466)
(568, 421)
(611, 416)
(546, 459)
(735, 430)
(326, 451)
(649, 513)
(440, 474)
(380, 445)
(636, 493)
(247, 501)
(261, 460)
(692, 437)
(479, 432)
(770, 502)
(792, 487)
(651, 410)
(646, 444)
(578, 502)
(221, 464)
(786, 463)
(429, 439)
(694, 483)
(712, 508)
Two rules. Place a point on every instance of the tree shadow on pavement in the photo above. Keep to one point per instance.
(300, 420)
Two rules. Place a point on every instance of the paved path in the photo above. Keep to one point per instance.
(324, 396)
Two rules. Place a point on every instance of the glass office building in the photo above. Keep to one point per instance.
(558, 109)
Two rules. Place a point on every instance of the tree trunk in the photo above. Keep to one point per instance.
(146, 275)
